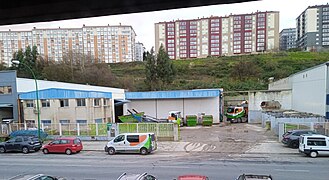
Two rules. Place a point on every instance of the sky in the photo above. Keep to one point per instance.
(143, 23)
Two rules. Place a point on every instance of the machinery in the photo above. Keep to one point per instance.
(175, 117)
(237, 113)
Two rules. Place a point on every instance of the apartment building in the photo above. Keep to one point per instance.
(287, 39)
(139, 51)
(313, 28)
(108, 44)
(219, 36)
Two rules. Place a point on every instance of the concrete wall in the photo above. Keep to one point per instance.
(160, 108)
(283, 97)
(282, 84)
(8, 78)
(55, 113)
(309, 91)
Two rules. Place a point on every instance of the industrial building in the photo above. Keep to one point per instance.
(158, 104)
(306, 91)
(69, 103)
(219, 36)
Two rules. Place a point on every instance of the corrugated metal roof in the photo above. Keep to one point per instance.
(55, 93)
(199, 93)
(28, 85)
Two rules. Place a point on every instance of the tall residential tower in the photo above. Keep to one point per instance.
(313, 28)
(287, 39)
(219, 36)
(108, 44)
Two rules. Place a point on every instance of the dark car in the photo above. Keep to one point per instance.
(23, 144)
(254, 176)
(291, 138)
(143, 176)
(36, 177)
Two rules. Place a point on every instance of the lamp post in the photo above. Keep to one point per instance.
(17, 62)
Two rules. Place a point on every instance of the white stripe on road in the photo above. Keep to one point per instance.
(293, 170)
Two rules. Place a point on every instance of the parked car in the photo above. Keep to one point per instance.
(23, 144)
(254, 177)
(314, 145)
(66, 145)
(291, 138)
(192, 177)
(143, 143)
(35, 177)
(143, 176)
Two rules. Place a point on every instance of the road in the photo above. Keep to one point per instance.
(98, 165)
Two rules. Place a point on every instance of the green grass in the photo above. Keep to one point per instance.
(295, 126)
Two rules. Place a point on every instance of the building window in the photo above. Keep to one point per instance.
(29, 103)
(5, 90)
(46, 122)
(45, 103)
(81, 121)
(64, 121)
(96, 102)
(98, 121)
(81, 102)
(64, 102)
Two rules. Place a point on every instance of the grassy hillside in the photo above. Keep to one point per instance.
(249, 72)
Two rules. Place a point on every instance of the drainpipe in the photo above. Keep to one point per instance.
(327, 91)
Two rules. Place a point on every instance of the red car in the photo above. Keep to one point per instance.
(192, 177)
(63, 145)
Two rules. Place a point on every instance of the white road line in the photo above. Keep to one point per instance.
(293, 170)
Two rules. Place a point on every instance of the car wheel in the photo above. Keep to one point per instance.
(111, 151)
(2, 150)
(68, 151)
(314, 154)
(294, 144)
(45, 151)
(143, 151)
(25, 150)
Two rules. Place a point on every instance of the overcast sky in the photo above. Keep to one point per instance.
(143, 23)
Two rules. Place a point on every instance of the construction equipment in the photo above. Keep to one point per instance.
(138, 117)
(175, 117)
(237, 113)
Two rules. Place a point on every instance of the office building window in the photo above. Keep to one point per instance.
(45, 103)
(29, 103)
(64, 121)
(81, 102)
(97, 102)
(81, 121)
(98, 121)
(46, 122)
(5, 90)
(64, 102)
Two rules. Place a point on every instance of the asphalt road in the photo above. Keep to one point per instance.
(100, 166)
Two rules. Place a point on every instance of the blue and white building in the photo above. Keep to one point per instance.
(158, 104)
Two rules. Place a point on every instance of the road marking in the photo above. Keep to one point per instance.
(293, 170)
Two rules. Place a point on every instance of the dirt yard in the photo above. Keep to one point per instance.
(233, 138)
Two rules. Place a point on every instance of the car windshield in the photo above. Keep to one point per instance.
(170, 89)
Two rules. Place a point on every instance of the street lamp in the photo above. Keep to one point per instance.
(17, 62)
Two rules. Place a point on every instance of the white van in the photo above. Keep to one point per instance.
(314, 145)
(143, 143)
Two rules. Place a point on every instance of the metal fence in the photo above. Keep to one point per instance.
(318, 127)
(165, 131)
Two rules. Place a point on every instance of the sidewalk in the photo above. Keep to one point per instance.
(272, 147)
